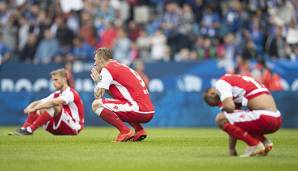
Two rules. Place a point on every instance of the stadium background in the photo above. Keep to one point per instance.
(184, 45)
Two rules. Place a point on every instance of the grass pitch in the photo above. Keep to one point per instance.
(164, 149)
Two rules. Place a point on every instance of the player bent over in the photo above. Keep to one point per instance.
(130, 98)
(261, 117)
(61, 113)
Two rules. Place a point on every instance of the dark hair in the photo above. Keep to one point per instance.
(210, 100)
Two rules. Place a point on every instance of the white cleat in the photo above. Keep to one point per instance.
(251, 151)
(268, 146)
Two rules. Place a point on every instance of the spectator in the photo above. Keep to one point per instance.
(29, 50)
(158, 46)
(264, 75)
(139, 68)
(63, 34)
(143, 43)
(5, 53)
(47, 49)
(282, 13)
(108, 36)
(275, 44)
(88, 31)
(121, 48)
(81, 50)
(249, 52)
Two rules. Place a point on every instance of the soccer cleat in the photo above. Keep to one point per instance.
(124, 137)
(268, 146)
(140, 135)
(251, 151)
(22, 132)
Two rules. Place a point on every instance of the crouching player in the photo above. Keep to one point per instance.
(61, 113)
(131, 101)
(262, 117)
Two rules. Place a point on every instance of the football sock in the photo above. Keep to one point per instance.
(260, 137)
(42, 119)
(30, 119)
(239, 133)
(136, 126)
(111, 118)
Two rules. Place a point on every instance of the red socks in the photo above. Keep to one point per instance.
(260, 137)
(30, 119)
(136, 126)
(111, 118)
(239, 133)
(42, 119)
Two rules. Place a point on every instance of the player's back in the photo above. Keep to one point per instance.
(250, 86)
(127, 84)
(259, 97)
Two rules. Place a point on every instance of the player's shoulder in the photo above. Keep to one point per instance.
(73, 91)
(113, 64)
(114, 67)
(231, 77)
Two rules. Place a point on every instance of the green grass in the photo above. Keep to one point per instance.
(164, 149)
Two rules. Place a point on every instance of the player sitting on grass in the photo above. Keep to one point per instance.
(62, 112)
(130, 98)
(262, 117)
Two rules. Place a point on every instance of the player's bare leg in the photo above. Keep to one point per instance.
(255, 146)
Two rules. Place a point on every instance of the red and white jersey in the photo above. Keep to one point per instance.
(241, 88)
(73, 104)
(123, 83)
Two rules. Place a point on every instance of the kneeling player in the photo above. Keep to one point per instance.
(61, 113)
(262, 117)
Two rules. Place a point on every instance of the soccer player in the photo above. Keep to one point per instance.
(231, 92)
(130, 100)
(61, 113)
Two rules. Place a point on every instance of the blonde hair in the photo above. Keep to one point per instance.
(105, 53)
(60, 72)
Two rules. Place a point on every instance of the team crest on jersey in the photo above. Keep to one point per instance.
(100, 78)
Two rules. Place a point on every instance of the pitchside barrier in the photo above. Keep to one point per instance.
(176, 91)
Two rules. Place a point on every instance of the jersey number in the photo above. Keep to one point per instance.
(254, 82)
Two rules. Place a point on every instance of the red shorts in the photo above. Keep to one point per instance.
(63, 124)
(126, 111)
(256, 122)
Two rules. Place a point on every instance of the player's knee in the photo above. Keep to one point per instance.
(97, 106)
(221, 120)
(50, 111)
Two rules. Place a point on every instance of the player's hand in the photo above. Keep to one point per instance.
(27, 110)
(233, 152)
(96, 93)
(95, 75)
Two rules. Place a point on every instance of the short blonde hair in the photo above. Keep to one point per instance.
(105, 53)
(60, 72)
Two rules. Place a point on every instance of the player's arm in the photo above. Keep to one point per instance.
(224, 90)
(228, 105)
(102, 80)
(48, 104)
(99, 92)
(232, 146)
(95, 75)
(31, 105)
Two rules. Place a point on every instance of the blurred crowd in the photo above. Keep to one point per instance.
(232, 31)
